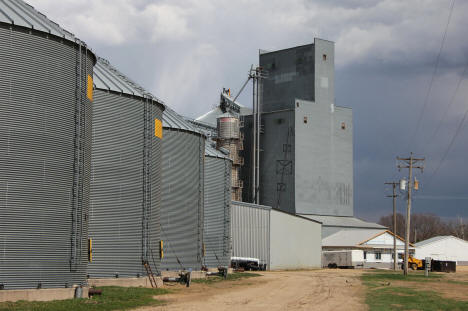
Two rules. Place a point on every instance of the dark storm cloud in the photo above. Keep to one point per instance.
(186, 51)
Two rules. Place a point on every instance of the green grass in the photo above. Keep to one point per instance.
(458, 282)
(383, 275)
(403, 298)
(231, 277)
(112, 298)
(381, 295)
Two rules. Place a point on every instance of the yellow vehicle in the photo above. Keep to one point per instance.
(414, 263)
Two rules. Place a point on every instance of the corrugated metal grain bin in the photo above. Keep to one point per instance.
(182, 194)
(45, 150)
(126, 176)
(217, 212)
(278, 239)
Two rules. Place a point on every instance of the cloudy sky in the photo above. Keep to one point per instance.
(185, 52)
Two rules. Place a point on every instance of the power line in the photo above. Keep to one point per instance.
(436, 66)
(452, 100)
(459, 128)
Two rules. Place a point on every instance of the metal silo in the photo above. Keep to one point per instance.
(126, 176)
(217, 210)
(45, 150)
(229, 137)
(182, 194)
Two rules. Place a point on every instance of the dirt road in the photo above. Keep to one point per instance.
(291, 290)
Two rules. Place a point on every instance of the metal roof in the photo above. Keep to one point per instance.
(252, 205)
(211, 116)
(211, 151)
(350, 237)
(207, 129)
(437, 239)
(107, 77)
(343, 221)
(361, 238)
(238, 203)
(18, 12)
(173, 120)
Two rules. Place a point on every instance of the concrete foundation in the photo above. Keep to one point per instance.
(195, 274)
(125, 282)
(48, 294)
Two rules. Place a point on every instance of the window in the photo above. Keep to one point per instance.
(324, 57)
(378, 255)
(280, 186)
(305, 120)
(365, 255)
(400, 256)
(343, 126)
(283, 167)
(297, 104)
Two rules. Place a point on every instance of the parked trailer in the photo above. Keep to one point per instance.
(338, 259)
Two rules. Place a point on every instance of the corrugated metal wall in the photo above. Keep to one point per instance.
(250, 231)
(217, 214)
(118, 228)
(38, 180)
(182, 199)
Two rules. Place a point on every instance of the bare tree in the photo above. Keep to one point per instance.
(425, 226)
(387, 221)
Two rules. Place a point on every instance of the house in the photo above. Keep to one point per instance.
(444, 248)
(362, 248)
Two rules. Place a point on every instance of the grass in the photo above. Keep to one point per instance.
(384, 297)
(388, 275)
(231, 277)
(112, 298)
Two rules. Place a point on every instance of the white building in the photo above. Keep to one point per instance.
(362, 248)
(275, 238)
(446, 248)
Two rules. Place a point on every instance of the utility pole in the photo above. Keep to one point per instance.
(409, 163)
(462, 228)
(394, 196)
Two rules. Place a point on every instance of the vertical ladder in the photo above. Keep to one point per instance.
(78, 163)
(147, 154)
(150, 274)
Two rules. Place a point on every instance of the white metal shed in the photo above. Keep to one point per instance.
(444, 248)
(278, 239)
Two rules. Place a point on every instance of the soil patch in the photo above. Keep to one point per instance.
(279, 290)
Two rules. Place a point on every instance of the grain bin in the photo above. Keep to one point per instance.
(182, 194)
(45, 150)
(126, 176)
(217, 210)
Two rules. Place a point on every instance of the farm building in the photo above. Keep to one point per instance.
(277, 239)
(333, 224)
(444, 248)
(46, 98)
(362, 248)
(217, 207)
(126, 176)
(182, 198)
